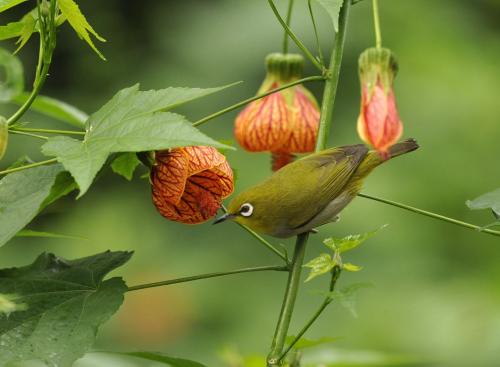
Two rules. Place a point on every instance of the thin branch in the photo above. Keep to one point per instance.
(261, 239)
(28, 134)
(376, 24)
(432, 215)
(316, 34)
(295, 39)
(333, 79)
(32, 165)
(259, 96)
(273, 359)
(206, 276)
(47, 131)
(328, 299)
(47, 44)
(288, 22)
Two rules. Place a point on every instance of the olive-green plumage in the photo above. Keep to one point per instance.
(308, 192)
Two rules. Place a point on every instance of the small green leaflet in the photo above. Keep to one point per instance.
(349, 242)
(132, 121)
(55, 108)
(12, 84)
(7, 4)
(333, 9)
(21, 197)
(64, 303)
(125, 165)
(77, 20)
(28, 27)
(322, 264)
(162, 358)
(490, 200)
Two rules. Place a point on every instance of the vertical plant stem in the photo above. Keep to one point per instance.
(294, 37)
(328, 299)
(288, 301)
(332, 79)
(316, 35)
(288, 21)
(276, 354)
(376, 24)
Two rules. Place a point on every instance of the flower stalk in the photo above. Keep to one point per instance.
(276, 354)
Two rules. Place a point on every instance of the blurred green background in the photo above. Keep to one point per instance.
(436, 294)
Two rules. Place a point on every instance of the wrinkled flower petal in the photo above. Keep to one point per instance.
(189, 183)
(379, 124)
(262, 125)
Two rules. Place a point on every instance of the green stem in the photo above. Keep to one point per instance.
(295, 39)
(328, 299)
(333, 79)
(206, 276)
(47, 43)
(259, 96)
(260, 239)
(288, 21)
(32, 165)
(376, 24)
(264, 242)
(285, 317)
(431, 215)
(316, 34)
(28, 134)
(47, 131)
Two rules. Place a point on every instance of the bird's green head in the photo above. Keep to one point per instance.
(247, 208)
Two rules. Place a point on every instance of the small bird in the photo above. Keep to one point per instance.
(309, 192)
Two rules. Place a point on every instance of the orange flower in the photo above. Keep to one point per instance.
(284, 122)
(189, 183)
(378, 124)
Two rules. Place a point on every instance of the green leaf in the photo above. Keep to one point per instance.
(490, 200)
(333, 9)
(320, 265)
(351, 267)
(65, 302)
(304, 343)
(162, 358)
(56, 109)
(63, 185)
(79, 23)
(349, 242)
(125, 165)
(7, 4)
(28, 27)
(132, 121)
(12, 84)
(31, 233)
(21, 196)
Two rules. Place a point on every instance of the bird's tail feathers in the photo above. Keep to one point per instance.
(404, 147)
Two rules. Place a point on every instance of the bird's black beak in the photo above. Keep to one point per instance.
(223, 217)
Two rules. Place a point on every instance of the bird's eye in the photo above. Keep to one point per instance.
(246, 210)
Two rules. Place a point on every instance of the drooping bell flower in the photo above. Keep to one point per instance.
(378, 124)
(285, 122)
(189, 183)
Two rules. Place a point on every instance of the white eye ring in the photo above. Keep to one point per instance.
(246, 210)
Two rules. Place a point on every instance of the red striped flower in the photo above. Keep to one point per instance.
(284, 122)
(378, 124)
(189, 183)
